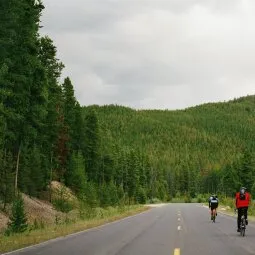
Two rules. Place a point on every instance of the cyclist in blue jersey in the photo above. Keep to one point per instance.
(213, 205)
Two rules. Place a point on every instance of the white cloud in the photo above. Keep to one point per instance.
(155, 53)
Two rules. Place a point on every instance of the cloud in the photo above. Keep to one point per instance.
(154, 54)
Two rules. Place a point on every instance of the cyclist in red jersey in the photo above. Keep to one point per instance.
(242, 203)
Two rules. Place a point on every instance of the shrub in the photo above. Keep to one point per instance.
(18, 219)
(62, 205)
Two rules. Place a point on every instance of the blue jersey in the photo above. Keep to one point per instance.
(213, 201)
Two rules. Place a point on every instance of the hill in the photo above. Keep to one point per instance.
(191, 148)
(110, 155)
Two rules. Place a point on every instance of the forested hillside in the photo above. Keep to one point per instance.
(111, 154)
(207, 148)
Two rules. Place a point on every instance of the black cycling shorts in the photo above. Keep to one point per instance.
(214, 206)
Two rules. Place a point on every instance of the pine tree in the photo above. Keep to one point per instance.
(133, 174)
(18, 219)
(36, 174)
(141, 195)
(78, 133)
(91, 150)
(72, 115)
(246, 172)
(230, 180)
(113, 190)
(75, 176)
(6, 178)
(91, 195)
(24, 103)
(104, 195)
(54, 122)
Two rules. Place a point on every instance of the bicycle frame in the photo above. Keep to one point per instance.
(243, 224)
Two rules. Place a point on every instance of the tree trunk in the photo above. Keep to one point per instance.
(17, 171)
(51, 170)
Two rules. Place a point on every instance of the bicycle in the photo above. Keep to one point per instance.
(242, 224)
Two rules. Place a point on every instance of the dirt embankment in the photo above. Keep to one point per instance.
(40, 210)
(3, 220)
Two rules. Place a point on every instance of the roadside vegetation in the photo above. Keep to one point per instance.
(32, 221)
(39, 231)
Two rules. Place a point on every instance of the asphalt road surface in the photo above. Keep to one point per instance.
(171, 229)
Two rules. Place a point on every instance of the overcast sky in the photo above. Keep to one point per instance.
(154, 54)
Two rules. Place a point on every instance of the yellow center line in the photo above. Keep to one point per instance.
(177, 251)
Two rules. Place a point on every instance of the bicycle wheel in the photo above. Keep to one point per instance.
(243, 231)
(243, 226)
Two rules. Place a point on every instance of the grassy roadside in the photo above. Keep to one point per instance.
(16, 241)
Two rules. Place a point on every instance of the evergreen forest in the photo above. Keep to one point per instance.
(108, 154)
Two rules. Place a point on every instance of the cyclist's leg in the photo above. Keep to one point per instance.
(239, 212)
(246, 214)
(214, 214)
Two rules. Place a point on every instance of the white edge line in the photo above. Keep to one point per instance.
(73, 234)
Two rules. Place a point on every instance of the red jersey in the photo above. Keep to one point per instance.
(243, 203)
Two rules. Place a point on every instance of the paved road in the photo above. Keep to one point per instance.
(172, 229)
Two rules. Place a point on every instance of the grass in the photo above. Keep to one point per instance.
(102, 216)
